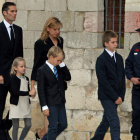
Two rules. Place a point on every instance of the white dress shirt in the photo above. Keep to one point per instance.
(7, 25)
(111, 53)
(51, 67)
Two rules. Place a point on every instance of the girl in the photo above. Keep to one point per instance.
(50, 36)
(19, 100)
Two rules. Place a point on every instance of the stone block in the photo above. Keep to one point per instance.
(126, 40)
(132, 21)
(21, 19)
(30, 4)
(37, 35)
(85, 5)
(37, 19)
(67, 19)
(132, 6)
(15, 1)
(90, 57)
(85, 120)
(79, 21)
(76, 97)
(123, 136)
(84, 40)
(55, 5)
(80, 77)
(69, 119)
(28, 73)
(74, 58)
(28, 39)
(126, 105)
(28, 53)
(29, 63)
(64, 36)
(75, 135)
(134, 38)
(94, 21)
(92, 102)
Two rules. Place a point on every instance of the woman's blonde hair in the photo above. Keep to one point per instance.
(15, 64)
(51, 23)
(55, 51)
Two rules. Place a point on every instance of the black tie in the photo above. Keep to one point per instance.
(113, 59)
(12, 38)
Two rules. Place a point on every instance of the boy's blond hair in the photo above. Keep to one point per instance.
(107, 35)
(55, 51)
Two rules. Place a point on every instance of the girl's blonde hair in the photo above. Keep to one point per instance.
(51, 23)
(15, 64)
(55, 51)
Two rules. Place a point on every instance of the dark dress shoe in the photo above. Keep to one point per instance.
(135, 137)
(36, 135)
(7, 135)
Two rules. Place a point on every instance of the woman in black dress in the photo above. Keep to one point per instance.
(50, 36)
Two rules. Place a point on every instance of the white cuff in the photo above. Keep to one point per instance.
(45, 107)
(62, 64)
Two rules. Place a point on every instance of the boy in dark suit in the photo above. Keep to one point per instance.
(50, 83)
(111, 86)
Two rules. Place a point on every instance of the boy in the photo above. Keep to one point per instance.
(111, 86)
(132, 69)
(51, 91)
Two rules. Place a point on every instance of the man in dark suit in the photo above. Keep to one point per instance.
(51, 91)
(111, 86)
(10, 48)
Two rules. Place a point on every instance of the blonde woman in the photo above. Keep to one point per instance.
(50, 36)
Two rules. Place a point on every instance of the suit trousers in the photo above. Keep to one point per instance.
(110, 119)
(3, 94)
(57, 121)
(136, 111)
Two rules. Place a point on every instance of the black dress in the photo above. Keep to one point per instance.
(40, 54)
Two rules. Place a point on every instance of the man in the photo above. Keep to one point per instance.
(10, 47)
(132, 70)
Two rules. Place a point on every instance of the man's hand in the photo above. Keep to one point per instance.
(118, 101)
(1, 79)
(46, 112)
(135, 81)
(33, 91)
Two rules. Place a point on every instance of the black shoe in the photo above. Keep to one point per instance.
(36, 135)
(7, 135)
(135, 137)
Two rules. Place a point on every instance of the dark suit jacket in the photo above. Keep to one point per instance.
(7, 54)
(15, 90)
(111, 77)
(50, 90)
(40, 54)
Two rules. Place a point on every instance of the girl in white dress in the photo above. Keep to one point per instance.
(19, 100)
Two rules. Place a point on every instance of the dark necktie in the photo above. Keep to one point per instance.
(113, 59)
(12, 38)
(55, 72)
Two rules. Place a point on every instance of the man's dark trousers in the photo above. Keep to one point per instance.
(136, 111)
(110, 119)
(57, 121)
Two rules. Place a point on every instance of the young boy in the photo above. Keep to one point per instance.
(111, 86)
(132, 69)
(50, 83)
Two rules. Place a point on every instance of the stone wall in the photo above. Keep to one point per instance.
(83, 25)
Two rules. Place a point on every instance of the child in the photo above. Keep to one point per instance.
(19, 100)
(111, 86)
(51, 91)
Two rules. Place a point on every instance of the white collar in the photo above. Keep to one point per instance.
(50, 65)
(110, 53)
(7, 24)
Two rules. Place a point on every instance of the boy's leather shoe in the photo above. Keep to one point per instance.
(135, 137)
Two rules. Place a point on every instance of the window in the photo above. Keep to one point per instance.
(114, 18)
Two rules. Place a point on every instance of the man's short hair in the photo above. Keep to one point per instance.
(6, 5)
(107, 35)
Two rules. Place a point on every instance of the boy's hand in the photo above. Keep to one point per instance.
(118, 101)
(46, 112)
(135, 81)
(1, 79)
